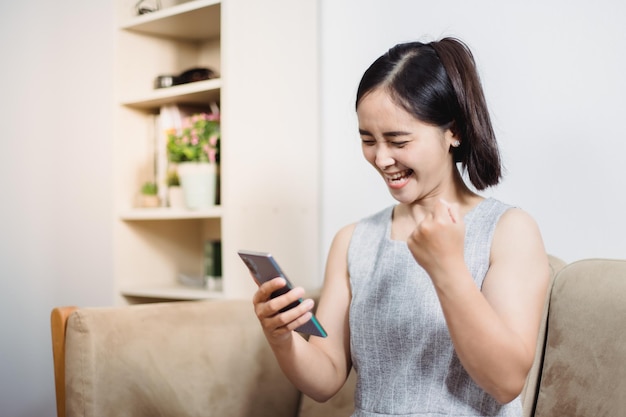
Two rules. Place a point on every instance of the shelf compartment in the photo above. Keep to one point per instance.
(193, 21)
(166, 213)
(171, 292)
(198, 92)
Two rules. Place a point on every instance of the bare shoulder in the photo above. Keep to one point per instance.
(517, 232)
(337, 262)
(343, 236)
(518, 260)
(516, 217)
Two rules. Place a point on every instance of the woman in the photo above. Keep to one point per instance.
(435, 301)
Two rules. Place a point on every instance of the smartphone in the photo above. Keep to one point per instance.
(264, 267)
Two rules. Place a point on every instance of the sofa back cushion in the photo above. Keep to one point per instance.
(173, 359)
(584, 365)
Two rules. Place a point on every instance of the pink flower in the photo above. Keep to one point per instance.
(198, 139)
(212, 155)
(210, 152)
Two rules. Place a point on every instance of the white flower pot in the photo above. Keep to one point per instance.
(198, 180)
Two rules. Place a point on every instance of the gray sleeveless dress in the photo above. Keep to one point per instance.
(401, 348)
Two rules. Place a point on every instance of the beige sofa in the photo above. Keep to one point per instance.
(211, 359)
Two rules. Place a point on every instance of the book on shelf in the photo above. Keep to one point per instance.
(211, 277)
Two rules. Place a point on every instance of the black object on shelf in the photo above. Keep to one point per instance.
(142, 8)
(189, 76)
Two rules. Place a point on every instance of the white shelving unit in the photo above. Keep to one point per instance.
(265, 54)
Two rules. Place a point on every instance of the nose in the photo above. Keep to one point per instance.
(383, 157)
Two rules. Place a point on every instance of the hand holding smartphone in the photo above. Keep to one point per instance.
(264, 267)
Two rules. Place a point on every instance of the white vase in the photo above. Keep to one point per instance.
(198, 180)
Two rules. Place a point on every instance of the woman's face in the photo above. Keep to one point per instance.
(413, 157)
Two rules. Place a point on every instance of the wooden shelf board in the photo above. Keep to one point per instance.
(171, 292)
(166, 213)
(198, 92)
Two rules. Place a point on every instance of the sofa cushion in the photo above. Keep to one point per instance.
(173, 359)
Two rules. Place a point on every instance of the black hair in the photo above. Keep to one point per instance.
(438, 83)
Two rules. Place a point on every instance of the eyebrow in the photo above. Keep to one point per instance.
(392, 134)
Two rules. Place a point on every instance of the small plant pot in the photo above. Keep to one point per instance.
(176, 197)
(150, 201)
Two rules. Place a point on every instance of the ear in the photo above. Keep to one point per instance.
(451, 137)
(452, 134)
(453, 128)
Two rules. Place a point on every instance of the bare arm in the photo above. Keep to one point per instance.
(495, 330)
(320, 366)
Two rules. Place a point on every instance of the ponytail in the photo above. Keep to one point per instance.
(478, 152)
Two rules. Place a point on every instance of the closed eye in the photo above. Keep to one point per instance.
(367, 138)
(397, 138)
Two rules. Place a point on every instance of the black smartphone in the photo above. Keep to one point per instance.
(264, 267)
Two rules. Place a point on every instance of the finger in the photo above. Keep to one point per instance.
(285, 301)
(447, 210)
(289, 320)
(296, 316)
(424, 225)
(303, 319)
(270, 307)
(267, 288)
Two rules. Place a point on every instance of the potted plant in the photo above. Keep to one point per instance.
(195, 151)
(149, 197)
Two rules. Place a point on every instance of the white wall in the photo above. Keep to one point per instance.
(553, 72)
(55, 206)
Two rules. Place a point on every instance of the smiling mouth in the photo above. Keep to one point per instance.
(399, 177)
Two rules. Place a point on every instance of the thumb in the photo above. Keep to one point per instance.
(450, 209)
